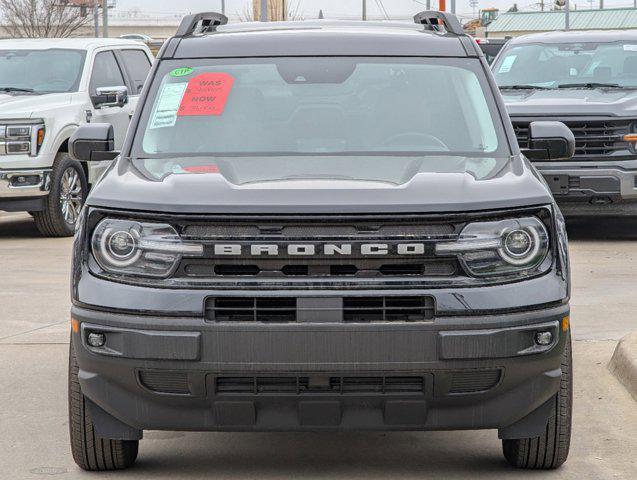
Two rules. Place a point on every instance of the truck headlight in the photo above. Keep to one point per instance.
(128, 247)
(517, 245)
(21, 139)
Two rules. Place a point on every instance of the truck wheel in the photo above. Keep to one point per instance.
(62, 206)
(550, 450)
(91, 452)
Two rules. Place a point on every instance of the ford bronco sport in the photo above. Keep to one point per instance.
(588, 80)
(320, 226)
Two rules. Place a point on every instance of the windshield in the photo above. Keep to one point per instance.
(566, 65)
(293, 108)
(40, 71)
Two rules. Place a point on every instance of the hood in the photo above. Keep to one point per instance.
(28, 105)
(216, 188)
(569, 101)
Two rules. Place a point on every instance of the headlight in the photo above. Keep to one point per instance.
(510, 246)
(128, 247)
(21, 139)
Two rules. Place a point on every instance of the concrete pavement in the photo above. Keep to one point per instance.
(34, 327)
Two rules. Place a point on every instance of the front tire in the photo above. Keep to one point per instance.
(62, 206)
(550, 450)
(91, 452)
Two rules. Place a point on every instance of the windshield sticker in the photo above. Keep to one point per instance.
(630, 47)
(206, 94)
(165, 114)
(507, 63)
(181, 72)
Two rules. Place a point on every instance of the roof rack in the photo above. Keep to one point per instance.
(198, 23)
(433, 19)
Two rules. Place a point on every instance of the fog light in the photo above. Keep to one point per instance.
(96, 340)
(543, 338)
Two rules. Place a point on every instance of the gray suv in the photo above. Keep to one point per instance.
(588, 80)
(320, 226)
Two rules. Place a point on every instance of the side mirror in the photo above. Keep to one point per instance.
(93, 142)
(550, 141)
(110, 97)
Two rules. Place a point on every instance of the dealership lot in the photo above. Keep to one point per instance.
(34, 287)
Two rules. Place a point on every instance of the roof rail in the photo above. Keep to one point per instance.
(432, 19)
(200, 23)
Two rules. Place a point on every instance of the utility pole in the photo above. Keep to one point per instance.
(264, 10)
(453, 6)
(96, 18)
(223, 7)
(601, 4)
(365, 9)
(567, 19)
(105, 18)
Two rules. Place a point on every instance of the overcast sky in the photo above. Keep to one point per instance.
(336, 8)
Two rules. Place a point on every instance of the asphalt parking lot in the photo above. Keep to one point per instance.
(34, 324)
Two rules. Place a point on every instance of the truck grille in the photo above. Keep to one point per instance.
(593, 138)
(314, 309)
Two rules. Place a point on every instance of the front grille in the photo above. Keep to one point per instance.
(172, 382)
(251, 309)
(593, 138)
(473, 381)
(383, 309)
(345, 262)
(415, 308)
(319, 384)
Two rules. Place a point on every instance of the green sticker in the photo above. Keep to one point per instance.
(181, 72)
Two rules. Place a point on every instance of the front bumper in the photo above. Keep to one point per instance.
(24, 183)
(186, 373)
(595, 188)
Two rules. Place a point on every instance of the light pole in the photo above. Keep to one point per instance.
(567, 19)
(223, 7)
(264, 10)
(105, 18)
(365, 9)
(96, 18)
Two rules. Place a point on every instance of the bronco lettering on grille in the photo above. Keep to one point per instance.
(311, 249)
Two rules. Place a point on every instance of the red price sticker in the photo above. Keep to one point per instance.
(206, 94)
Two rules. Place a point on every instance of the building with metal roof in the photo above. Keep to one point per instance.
(513, 24)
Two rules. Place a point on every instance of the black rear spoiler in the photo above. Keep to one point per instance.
(433, 20)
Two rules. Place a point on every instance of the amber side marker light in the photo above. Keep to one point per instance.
(565, 323)
(631, 137)
(75, 325)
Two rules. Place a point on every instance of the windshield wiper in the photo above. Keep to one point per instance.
(524, 87)
(16, 89)
(589, 85)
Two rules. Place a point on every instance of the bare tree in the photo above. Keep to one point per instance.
(44, 18)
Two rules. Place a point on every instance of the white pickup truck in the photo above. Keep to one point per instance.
(49, 87)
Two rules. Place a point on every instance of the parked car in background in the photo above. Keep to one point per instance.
(48, 88)
(588, 80)
(320, 226)
(153, 44)
(137, 36)
(491, 47)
